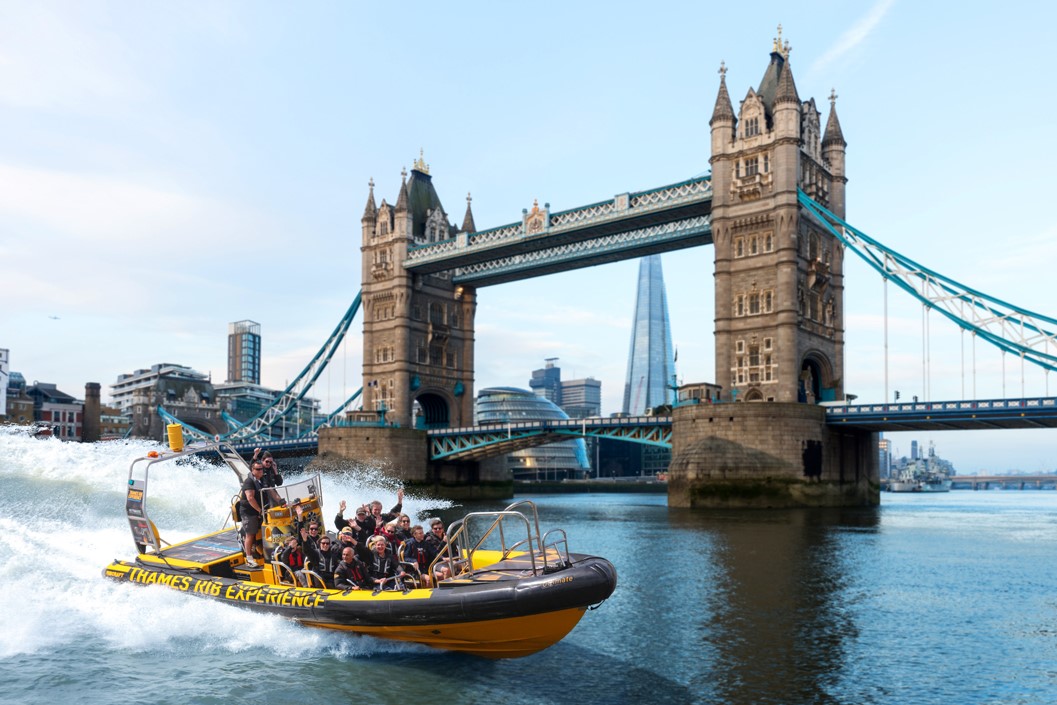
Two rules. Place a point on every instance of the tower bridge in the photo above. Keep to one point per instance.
(779, 305)
(773, 208)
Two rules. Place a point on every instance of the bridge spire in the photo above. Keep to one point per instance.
(468, 225)
(833, 135)
(370, 213)
(401, 200)
(786, 87)
(723, 110)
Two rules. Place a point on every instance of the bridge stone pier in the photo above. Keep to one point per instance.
(403, 454)
(779, 314)
(768, 456)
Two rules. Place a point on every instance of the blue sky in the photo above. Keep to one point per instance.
(170, 168)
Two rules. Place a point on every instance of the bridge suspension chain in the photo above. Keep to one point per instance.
(1012, 329)
(296, 390)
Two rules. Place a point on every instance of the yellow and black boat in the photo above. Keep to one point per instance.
(512, 592)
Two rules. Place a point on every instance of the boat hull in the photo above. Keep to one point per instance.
(496, 617)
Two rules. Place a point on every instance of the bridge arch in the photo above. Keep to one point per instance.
(816, 376)
(204, 424)
(435, 407)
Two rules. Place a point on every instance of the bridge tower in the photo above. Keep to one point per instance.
(778, 274)
(417, 349)
(779, 314)
(417, 329)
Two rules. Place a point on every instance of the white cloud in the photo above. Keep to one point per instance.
(854, 36)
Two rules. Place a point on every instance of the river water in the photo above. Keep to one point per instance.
(944, 598)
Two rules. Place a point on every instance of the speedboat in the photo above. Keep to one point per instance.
(510, 591)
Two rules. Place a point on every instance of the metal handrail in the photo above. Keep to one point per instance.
(459, 532)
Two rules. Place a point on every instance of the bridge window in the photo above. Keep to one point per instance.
(739, 247)
(752, 166)
(768, 370)
(754, 245)
(416, 312)
(768, 242)
(768, 301)
(754, 356)
(754, 304)
(751, 127)
(436, 355)
(739, 347)
(421, 354)
(450, 360)
(766, 163)
(767, 344)
(739, 306)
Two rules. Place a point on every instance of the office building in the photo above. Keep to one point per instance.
(244, 352)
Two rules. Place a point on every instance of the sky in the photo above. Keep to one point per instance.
(169, 168)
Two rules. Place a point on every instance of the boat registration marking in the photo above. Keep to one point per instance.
(556, 581)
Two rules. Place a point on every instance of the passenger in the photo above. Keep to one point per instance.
(347, 539)
(402, 529)
(294, 558)
(272, 477)
(373, 516)
(327, 558)
(383, 570)
(386, 531)
(436, 542)
(311, 528)
(251, 512)
(376, 510)
(350, 573)
(414, 552)
(340, 522)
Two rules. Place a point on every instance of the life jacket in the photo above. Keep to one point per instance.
(294, 558)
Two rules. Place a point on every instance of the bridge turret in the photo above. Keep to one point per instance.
(370, 211)
(833, 153)
(468, 225)
(787, 124)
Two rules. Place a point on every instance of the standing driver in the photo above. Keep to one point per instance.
(250, 511)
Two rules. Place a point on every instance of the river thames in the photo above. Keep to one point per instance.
(940, 598)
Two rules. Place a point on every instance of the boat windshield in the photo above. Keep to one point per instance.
(297, 492)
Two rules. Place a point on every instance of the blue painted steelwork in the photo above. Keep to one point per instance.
(1010, 328)
(308, 444)
(190, 431)
(629, 225)
(297, 389)
(259, 425)
(1036, 412)
(477, 442)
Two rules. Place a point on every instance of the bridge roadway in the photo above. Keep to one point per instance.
(969, 415)
(488, 440)
(1005, 482)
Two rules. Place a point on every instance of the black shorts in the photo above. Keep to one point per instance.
(251, 523)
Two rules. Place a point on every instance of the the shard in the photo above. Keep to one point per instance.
(651, 360)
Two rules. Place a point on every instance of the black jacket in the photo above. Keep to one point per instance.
(350, 575)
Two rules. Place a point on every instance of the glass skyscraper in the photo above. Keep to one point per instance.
(651, 360)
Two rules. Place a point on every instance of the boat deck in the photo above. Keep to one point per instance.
(207, 550)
